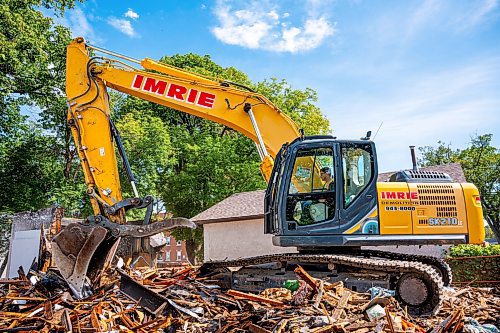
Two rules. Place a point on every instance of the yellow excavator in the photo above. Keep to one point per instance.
(322, 198)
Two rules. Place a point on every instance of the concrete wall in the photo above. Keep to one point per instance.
(239, 239)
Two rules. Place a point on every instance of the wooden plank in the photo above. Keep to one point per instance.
(346, 294)
(390, 323)
(307, 278)
(257, 329)
(254, 298)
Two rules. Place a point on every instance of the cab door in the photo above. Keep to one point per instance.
(358, 196)
(310, 190)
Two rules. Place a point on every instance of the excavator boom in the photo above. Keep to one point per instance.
(83, 250)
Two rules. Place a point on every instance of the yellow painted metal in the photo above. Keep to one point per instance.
(443, 201)
(181, 90)
(394, 221)
(227, 108)
(474, 213)
(431, 209)
(88, 113)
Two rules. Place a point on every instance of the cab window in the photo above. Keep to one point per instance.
(358, 169)
(311, 196)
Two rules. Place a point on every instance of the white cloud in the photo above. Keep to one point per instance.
(79, 23)
(259, 25)
(477, 13)
(131, 14)
(451, 15)
(125, 26)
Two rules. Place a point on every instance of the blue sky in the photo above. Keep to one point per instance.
(421, 71)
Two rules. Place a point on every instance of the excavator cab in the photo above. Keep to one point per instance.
(321, 189)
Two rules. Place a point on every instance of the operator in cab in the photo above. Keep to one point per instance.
(325, 174)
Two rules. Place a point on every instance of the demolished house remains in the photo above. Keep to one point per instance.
(126, 298)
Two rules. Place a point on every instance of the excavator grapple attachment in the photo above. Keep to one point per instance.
(84, 250)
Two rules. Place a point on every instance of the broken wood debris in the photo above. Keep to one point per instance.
(178, 300)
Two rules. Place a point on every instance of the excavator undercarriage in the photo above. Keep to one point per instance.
(417, 280)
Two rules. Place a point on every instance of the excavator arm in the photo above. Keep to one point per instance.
(83, 250)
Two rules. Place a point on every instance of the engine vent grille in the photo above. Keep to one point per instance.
(446, 211)
(436, 195)
(428, 175)
(411, 176)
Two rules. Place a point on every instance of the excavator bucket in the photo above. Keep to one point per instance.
(73, 249)
(83, 251)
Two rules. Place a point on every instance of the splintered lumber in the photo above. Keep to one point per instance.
(346, 295)
(306, 277)
(390, 322)
(179, 300)
(329, 329)
(257, 329)
(254, 298)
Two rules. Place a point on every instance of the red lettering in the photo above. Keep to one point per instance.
(401, 195)
(391, 195)
(206, 100)
(414, 195)
(136, 84)
(155, 86)
(176, 91)
(192, 96)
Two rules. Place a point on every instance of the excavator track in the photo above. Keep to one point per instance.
(440, 265)
(418, 286)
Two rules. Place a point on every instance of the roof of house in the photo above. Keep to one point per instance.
(239, 206)
(453, 169)
(250, 205)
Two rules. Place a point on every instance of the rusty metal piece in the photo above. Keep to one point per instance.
(72, 250)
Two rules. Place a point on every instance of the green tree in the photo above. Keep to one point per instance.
(298, 104)
(32, 74)
(211, 161)
(149, 151)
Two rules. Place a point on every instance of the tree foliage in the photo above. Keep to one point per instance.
(480, 162)
(188, 163)
(210, 161)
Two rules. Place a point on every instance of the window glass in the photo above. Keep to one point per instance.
(167, 256)
(311, 195)
(358, 169)
(312, 171)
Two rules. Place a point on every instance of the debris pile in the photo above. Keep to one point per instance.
(178, 300)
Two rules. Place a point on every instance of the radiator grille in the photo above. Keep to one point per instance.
(446, 211)
(437, 195)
